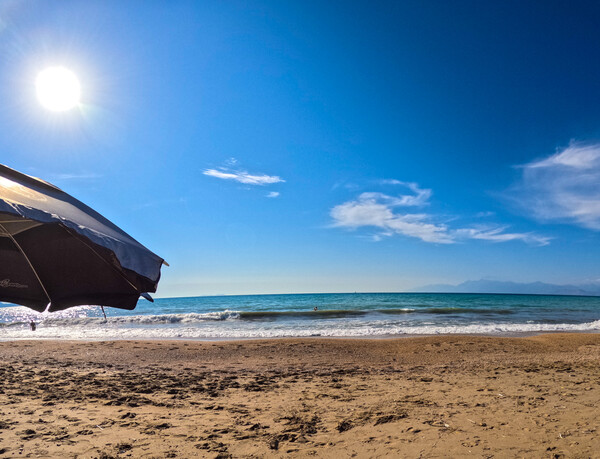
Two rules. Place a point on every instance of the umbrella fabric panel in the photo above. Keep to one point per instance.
(31, 198)
(76, 272)
(18, 283)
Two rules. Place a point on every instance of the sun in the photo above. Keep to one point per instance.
(58, 89)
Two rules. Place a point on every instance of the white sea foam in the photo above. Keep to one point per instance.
(113, 331)
(17, 314)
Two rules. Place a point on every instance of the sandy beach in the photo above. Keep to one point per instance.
(443, 396)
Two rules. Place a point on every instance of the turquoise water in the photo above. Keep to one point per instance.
(336, 315)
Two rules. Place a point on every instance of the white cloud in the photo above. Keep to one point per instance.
(563, 187)
(376, 209)
(379, 211)
(76, 176)
(419, 198)
(273, 194)
(243, 177)
(576, 155)
(497, 234)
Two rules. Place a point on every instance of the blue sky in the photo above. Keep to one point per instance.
(266, 147)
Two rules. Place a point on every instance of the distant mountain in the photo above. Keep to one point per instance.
(490, 286)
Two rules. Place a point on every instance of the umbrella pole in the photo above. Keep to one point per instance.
(102, 307)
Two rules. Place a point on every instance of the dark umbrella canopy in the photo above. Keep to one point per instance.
(56, 250)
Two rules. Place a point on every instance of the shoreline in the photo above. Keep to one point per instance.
(525, 334)
(452, 395)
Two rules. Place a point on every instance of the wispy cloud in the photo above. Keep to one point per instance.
(159, 202)
(419, 196)
(273, 194)
(243, 176)
(76, 176)
(345, 184)
(377, 210)
(498, 234)
(563, 187)
(384, 213)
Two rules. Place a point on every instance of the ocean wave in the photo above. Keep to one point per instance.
(16, 315)
(254, 316)
(342, 313)
(156, 319)
(317, 314)
(455, 310)
(13, 324)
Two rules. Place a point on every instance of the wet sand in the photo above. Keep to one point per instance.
(446, 396)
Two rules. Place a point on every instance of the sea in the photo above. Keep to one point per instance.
(356, 315)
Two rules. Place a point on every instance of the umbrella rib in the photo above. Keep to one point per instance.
(28, 261)
(102, 258)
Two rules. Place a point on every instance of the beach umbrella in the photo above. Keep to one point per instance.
(56, 252)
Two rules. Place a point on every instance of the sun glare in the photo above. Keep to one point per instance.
(58, 89)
